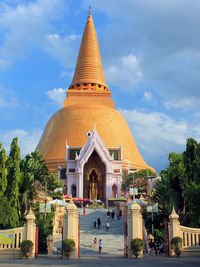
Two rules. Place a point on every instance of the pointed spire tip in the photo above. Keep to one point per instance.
(90, 10)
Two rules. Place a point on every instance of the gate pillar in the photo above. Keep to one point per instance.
(70, 225)
(134, 225)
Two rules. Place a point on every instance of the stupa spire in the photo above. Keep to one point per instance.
(89, 71)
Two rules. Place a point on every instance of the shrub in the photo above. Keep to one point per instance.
(177, 244)
(137, 245)
(26, 246)
(159, 236)
(68, 245)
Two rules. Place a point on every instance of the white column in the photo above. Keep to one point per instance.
(80, 185)
(69, 185)
(118, 188)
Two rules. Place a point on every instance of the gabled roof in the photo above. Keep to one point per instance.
(94, 142)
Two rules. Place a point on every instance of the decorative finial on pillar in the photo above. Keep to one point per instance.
(30, 212)
(94, 125)
(90, 10)
(71, 200)
(173, 215)
(134, 201)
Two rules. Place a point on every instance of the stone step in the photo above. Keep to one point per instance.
(112, 240)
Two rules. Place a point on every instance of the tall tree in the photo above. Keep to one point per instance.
(192, 160)
(3, 172)
(13, 177)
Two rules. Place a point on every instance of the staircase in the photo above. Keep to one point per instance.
(112, 240)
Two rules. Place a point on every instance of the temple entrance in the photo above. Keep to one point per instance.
(94, 186)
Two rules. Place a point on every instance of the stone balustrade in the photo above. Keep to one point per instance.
(11, 248)
(190, 236)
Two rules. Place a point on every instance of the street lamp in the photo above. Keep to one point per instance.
(133, 171)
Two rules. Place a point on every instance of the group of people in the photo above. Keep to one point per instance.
(155, 246)
(98, 223)
(100, 244)
(112, 214)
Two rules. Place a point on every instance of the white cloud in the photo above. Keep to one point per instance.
(158, 134)
(164, 36)
(147, 96)
(185, 103)
(63, 49)
(57, 95)
(25, 25)
(7, 98)
(124, 72)
(26, 140)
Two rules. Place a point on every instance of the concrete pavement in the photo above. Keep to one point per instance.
(103, 261)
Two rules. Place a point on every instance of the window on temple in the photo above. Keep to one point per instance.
(72, 153)
(71, 170)
(114, 191)
(63, 174)
(115, 153)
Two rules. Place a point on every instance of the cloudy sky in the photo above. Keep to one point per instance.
(150, 51)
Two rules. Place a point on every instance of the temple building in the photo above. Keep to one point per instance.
(88, 142)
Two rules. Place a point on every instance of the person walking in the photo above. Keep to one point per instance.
(118, 217)
(107, 225)
(113, 214)
(83, 211)
(151, 246)
(95, 242)
(156, 247)
(120, 213)
(99, 222)
(100, 246)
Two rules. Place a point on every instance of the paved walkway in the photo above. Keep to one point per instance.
(106, 262)
(113, 240)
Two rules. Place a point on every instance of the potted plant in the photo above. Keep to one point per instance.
(68, 246)
(137, 245)
(26, 248)
(176, 245)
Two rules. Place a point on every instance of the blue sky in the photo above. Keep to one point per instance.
(150, 52)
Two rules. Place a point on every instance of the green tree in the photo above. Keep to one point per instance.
(164, 196)
(140, 179)
(3, 172)
(180, 185)
(34, 168)
(175, 173)
(192, 160)
(13, 178)
(192, 173)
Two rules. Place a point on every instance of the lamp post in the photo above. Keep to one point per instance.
(133, 171)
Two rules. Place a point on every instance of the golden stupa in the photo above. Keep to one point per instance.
(88, 102)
